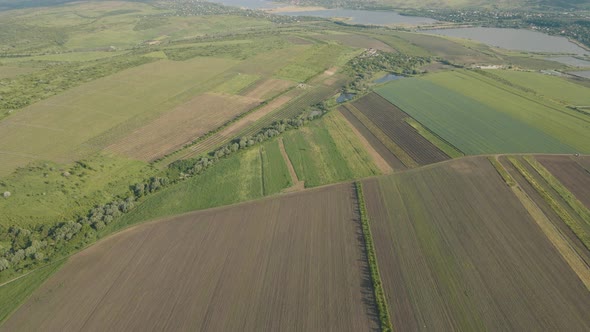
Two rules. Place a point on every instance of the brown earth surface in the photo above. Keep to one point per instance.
(173, 129)
(571, 174)
(390, 120)
(457, 251)
(532, 193)
(291, 263)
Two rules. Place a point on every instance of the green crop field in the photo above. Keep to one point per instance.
(275, 174)
(552, 87)
(235, 179)
(324, 152)
(480, 115)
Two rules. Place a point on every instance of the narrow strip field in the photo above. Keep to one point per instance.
(458, 251)
(291, 263)
(571, 174)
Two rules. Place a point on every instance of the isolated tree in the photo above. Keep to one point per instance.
(4, 265)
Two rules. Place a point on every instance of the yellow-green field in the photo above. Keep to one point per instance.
(87, 118)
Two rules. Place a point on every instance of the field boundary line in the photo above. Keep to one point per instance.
(381, 301)
(556, 237)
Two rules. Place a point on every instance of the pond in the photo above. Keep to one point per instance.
(515, 39)
(387, 78)
(345, 97)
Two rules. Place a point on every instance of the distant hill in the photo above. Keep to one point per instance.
(20, 4)
(422, 4)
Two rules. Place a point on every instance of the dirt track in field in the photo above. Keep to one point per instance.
(390, 119)
(457, 251)
(297, 184)
(571, 174)
(290, 263)
(175, 128)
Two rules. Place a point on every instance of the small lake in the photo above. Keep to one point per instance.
(345, 97)
(367, 17)
(585, 73)
(515, 39)
(571, 61)
(387, 78)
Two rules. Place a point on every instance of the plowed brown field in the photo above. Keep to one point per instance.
(571, 174)
(390, 120)
(181, 125)
(457, 251)
(291, 263)
(383, 151)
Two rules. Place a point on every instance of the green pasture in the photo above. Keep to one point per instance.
(47, 193)
(315, 60)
